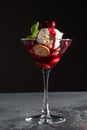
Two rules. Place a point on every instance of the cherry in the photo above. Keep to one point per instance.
(44, 24)
(48, 24)
(52, 24)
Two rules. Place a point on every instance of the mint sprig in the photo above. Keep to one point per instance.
(34, 31)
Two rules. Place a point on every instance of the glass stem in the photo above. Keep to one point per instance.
(45, 109)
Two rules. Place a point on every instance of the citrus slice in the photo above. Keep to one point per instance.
(41, 50)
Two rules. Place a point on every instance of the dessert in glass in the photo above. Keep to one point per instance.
(46, 46)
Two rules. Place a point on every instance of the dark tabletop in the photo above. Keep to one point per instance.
(14, 107)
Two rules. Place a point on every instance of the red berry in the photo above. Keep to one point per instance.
(48, 24)
(44, 24)
(53, 24)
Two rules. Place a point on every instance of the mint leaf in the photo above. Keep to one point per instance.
(34, 31)
(34, 28)
(31, 37)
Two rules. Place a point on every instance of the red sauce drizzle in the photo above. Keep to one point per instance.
(53, 33)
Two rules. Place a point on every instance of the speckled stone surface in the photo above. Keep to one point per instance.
(14, 107)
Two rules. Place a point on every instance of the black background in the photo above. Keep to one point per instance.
(18, 72)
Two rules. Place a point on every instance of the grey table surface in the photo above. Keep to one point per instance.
(14, 107)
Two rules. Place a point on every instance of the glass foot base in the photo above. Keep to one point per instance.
(45, 119)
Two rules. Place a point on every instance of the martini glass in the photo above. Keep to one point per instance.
(46, 64)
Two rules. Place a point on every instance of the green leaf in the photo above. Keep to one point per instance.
(34, 28)
(30, 36)
(34, 31)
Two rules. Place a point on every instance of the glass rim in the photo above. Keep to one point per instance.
(28, 39)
